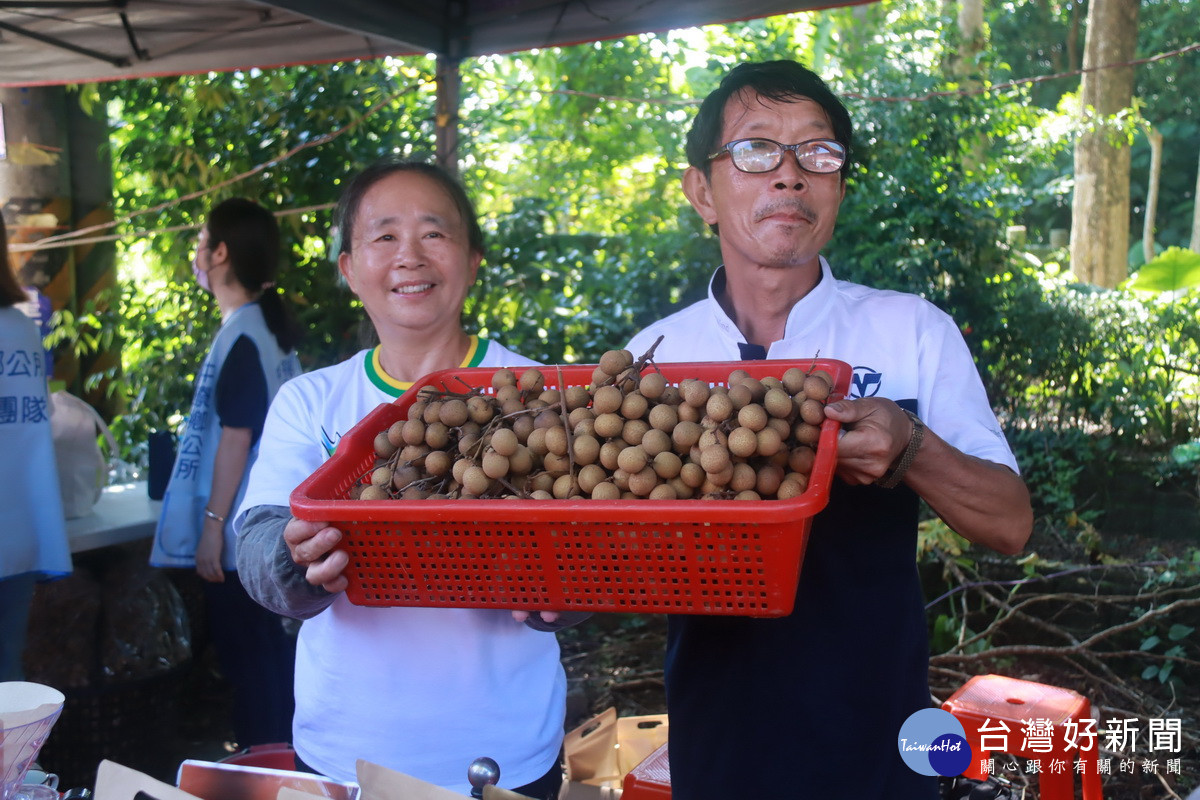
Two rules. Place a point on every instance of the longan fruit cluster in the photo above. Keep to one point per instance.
(627, 435)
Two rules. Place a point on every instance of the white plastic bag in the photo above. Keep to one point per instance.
(82, 468)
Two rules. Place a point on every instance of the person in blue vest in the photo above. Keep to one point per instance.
(811, 705)
(33, 534)
(252, 355)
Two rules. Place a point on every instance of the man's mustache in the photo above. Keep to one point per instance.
(794, 206)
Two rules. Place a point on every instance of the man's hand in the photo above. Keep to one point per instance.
(311, 545)
(874, 432)
(208, 552)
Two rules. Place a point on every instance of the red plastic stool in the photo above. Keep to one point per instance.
(649, 780)
(987, 705)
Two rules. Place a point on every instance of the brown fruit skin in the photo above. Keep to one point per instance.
(555, 464)
(609, 425)
(769, 442)
(664, 491)
(667, 465)
(801, 458)
(752, 416)
(740, 395)
(688, 413)
(633, 431)
(565, 486)
(634, 406)
(652, 385)
(663, 418)
(438, 463)
(804, 433)
(495, 465)
(520, 462)
(643, 482)
(453, 413)
(744, 477)
(480, 410)
(531, 380)
(609, 452)
(523, 427)
(395, 434)
(695, 393)
(374, 493)
(437, 435)
(557, 441)
(692, 475)
(503, 377)
(590, 476)
(504, 441)
(632, 460)
(743, 442)
(417, 410)
(606, 491)
(778, 404)
(793, 380)
(769, 480)
(585, 449)
(655, 441)
(812, 411)
(614, 361)
(714, 459)
(413, 432)
(381, 476)
(577, 397)
(607, 400)
(476, 481)
(685, 435)
(719, 407)
(384, 447)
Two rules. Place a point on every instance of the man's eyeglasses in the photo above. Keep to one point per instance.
(820, 156)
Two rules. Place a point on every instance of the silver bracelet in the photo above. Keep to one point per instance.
(892, 477)
(208, 512)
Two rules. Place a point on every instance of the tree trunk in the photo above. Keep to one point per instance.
(1156, 153)
(1100, 209)
(1195, 243)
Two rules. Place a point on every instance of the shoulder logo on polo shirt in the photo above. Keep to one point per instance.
(865, 383)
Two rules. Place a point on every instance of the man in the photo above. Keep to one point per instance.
(421, 690)
(810, 705)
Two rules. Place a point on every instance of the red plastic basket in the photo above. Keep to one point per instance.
(665, 556)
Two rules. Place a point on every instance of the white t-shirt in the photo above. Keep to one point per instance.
(900, 346)
(421, 690)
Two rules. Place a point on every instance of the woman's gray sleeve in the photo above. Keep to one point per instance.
(267, 570)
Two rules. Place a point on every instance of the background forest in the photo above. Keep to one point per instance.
(574, 155)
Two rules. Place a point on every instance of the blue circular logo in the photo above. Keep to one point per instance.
(933, 742)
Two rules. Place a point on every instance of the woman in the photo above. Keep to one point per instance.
(237, 260)
(420, 690)
(33, 535)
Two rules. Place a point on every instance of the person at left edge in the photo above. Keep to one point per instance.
(33, 534)
(252, 355)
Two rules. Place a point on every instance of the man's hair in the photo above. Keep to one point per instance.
(347, 210)
(782, 81)
(251, 238)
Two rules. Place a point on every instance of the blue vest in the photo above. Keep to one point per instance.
(182, 518)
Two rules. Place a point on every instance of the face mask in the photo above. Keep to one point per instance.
(201, 277)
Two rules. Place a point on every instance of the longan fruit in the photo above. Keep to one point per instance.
(757, 390)
(417, 410)
(806, 433)
(632, 460)
(743, 442)
(577, 397)
(565, 486)
(770, 478)
(613, 362)
(663, 418)
(771, 382)
(511, 407)
(670, 396)
(719, 407)
(801, 458)
(413, 431)
(720, 479)
(748, 494)
(682, 490)
(692, 474)
(621, 479)
(373, 493)
(541, 494)
(531, 380)
(609, 452)
(548, 418)
(606, 490)
(406, 474)
(752, 416)
(793, 380)
(453, 412)
(504, 441)
(542, 481)
(536, 404)
(395, 433)
(381, 476)
(590, 476)
(475, 481)
(667, 465)
(523, 427)
(664, 491)
(633, 430)
(609, 425)
(737, 376)
(689, 413)
(494, 464)
(607, 400)
(586, 427)
(778, 403)
(438, 463)
(551, 397)
(433, 412)
(769, 442)
(501, 378)
(744, 477)
(685, 435)
(384, 447)
(585, 449)
(521, 462)
(480, 409)
(634, 406)
(600, 378)
(466, 444)
(714, 459)
(577, 415)
(456, 471)
(812, 411)
(713, 437)
(655, 441)
(741, 396)
(414, 493)
(643, 482)
(652, 385)
(557, 441)
(695, 393)
(411, 452)
(437, 435)
(555, 464)
(781, 426)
